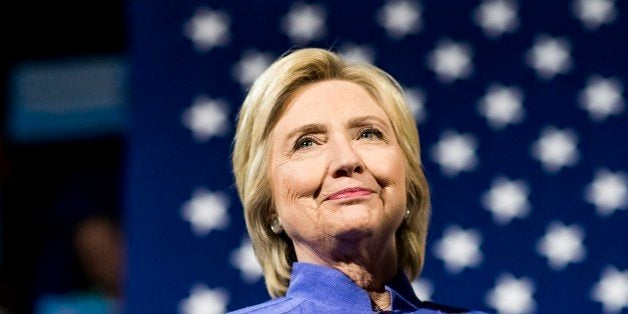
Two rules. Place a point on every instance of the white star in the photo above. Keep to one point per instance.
(608, 192)
(594, 13)
(304, 23)
(416, 102)
(206, 211)
(612, 290)
(507, 199)
(400, 18)
(251, 65)
(497, 17)
(511, 295)
(243, 258)
(203, 300)
(556, 149)
(549, 57)
(206, 118)
(602, 98)
(459, 248)
(207, 29)
(562, 245)
(360, 53)
(450, 61)
(502, 106)
(455, 153)
(423, 289)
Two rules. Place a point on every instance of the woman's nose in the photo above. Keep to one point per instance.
(344, 159)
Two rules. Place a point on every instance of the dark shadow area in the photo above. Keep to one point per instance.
(60, 198)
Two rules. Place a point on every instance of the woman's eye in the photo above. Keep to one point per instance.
(370, 134)
(303, 142)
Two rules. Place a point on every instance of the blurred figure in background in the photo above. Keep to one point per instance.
(61, 241)
(98, 245)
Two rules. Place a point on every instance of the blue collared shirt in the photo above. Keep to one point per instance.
(320, 289)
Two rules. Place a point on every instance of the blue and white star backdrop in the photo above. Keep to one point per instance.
(521, 108)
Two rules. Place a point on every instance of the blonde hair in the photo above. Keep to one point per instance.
(261, 110)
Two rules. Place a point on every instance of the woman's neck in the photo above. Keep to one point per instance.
(372, 281)
(369, 271)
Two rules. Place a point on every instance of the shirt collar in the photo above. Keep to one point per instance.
(330, 286)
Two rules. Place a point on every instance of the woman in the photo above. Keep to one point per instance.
(326, 161)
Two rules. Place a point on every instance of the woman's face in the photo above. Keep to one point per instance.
(337, 171)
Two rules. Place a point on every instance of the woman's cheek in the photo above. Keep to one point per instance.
(385, 166)
(296, 183)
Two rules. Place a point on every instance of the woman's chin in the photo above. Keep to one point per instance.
(353, 234)
(352, 228)
(354, 221)
(357, 213)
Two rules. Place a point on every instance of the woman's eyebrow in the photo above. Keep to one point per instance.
(364, 120)
(307, 129)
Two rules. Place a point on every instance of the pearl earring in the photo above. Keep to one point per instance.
(276, 226)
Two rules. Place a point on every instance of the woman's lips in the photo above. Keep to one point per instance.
(349, 193)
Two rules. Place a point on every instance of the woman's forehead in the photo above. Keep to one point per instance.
(330, 100)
